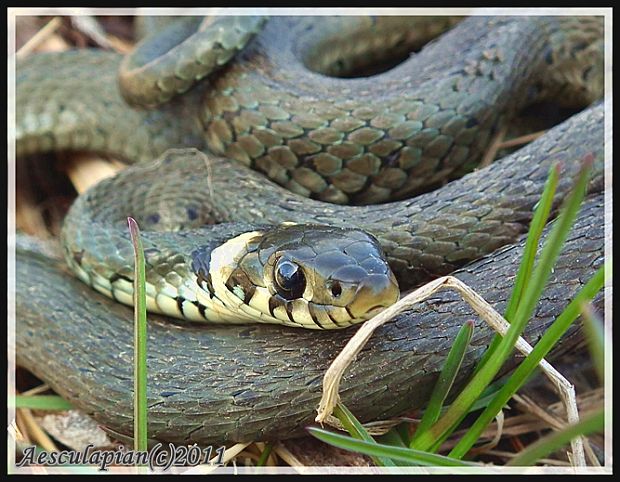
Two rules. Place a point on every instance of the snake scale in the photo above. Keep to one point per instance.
(422, 122)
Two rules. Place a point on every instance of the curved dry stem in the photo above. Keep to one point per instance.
(333, 375)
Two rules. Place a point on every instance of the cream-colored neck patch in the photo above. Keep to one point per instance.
(225, 303)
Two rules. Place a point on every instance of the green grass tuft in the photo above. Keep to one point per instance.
(439, 423)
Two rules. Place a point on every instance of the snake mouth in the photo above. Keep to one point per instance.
(375, 310)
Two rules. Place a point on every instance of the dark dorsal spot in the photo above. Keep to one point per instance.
(471, 122)
(167, 394)
(210, 285)
(201, 277)
(192, 213)
(153, 218)
(579, 46)
(549, 57)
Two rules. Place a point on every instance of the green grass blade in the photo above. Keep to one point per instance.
(140, 403)
(522, 373)
(378, 450)
(446, 379)
(393, 439)
(541, 216)
(595, 333)
(355, 428)
(532, 293)
(264, 455)
(538, 450)
(539, 220)
(42, 402)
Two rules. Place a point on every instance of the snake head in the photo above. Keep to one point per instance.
(313, 276)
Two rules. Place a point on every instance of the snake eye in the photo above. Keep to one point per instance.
(290, 280)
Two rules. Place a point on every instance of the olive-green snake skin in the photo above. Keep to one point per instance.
(356, 140)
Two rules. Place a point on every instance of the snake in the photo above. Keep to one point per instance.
(376, 139)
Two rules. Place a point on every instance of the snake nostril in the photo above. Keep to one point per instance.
(336, 289)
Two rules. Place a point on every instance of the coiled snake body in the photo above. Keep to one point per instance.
(361, 140)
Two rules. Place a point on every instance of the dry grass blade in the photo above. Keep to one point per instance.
(88, 25)
(491, 152)
(518, 141)
(499, 430)
(37, 434)
(333, 375)
(286, 455)
(36, 390)
(376, 428)
(18, 429)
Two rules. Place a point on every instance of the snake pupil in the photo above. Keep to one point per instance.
(290, 279)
